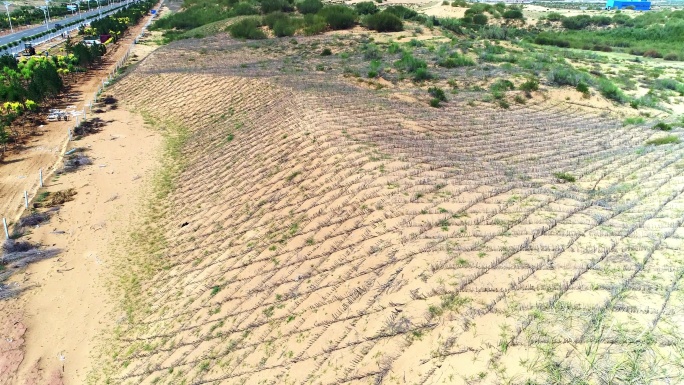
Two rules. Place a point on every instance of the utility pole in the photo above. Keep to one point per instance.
(47, 6)
(47, 24)
(7, 4)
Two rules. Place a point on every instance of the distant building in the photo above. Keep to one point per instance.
(620, 4)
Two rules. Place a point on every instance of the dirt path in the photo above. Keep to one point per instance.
(68, 309)
(46, 334)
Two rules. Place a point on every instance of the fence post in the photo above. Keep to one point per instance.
(4, 224)
(40, 173)
(25, 199)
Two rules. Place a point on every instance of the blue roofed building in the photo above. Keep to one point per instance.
(622, 4)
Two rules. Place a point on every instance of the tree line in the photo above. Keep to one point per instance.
(28, 83)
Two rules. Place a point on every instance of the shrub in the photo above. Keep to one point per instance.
(372, 52)
(564, 176)
(662, 127)
(611, 91)
(664, 140)
(583, 88)
(601, 20)
(409, 63)
(326, 52)
(456, 60)
(531, 84)
(12, 246)
(285, 27)
(480, 19)
(567, 76)
(421, 74)
(273, 17)
(519, 99)
(544, 40)
(306, 7)
(384, 22)
(437, 93)
(513, 14)
(576, 22)
(451, 24)
(504, 104)
(554, 16)
(652, 53)
(366, 8)
(243, 9)
(501, 85)
(671, 56)
(247, 29)
(338, 16)
(314, 24)
(402, 12)
(268, 6)
(435, 103)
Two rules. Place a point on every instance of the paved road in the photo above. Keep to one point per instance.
(36, 30)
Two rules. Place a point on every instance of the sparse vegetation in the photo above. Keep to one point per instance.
(670, 139)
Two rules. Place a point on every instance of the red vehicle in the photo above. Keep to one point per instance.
(104, 38)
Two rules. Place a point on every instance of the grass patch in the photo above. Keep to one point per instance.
(564, 176)
(670, 139)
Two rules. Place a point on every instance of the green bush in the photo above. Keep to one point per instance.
(285, 27)
(576, 22)
(269, 6)
(366, 8)
(435, 103)
(326, 52)
(243, 9)
(513, 14)
(670, 139)
(545, 40)
(402, 12)
(583, 88)
(456, 60)
(531, 84)
(247, 29)
(480, 19)
(564, 176)
(671, 56)
(601, 21)
(338, 16)
(273, 17)
(372, 52)
(662, 126)
(437, 93)
(611, 91)
(554, 16)
(409, 63)
(421, 74)
(306, 7)
(567, 76)
(501, 85)
(384, 22)
(314, 24)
